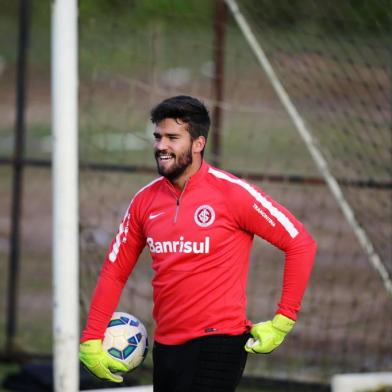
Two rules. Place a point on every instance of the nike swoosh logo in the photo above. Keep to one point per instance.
(153, 216)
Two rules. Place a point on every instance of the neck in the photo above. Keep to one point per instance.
(189, 172)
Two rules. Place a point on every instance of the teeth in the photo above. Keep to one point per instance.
(165, 156)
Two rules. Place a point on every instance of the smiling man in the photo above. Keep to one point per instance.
(198, 223)
(174, 150)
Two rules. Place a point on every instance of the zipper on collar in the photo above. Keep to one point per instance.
(177, 209)
(178, 199)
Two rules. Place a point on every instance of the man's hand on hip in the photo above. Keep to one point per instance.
(99, 363)
(268, 335)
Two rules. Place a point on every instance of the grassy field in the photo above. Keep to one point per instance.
(145, 378)
(6, 369)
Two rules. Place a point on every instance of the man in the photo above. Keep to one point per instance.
(198, 223)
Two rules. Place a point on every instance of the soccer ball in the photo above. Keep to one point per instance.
(126, 339)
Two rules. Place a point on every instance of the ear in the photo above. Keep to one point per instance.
(198, 144)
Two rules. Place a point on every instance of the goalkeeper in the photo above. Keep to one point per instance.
(198, 223)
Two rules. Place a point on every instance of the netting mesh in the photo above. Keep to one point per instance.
(335, 65)
(333, 58)
(336, 72)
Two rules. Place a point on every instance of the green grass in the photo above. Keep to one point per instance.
(144, 379)
(6, 369)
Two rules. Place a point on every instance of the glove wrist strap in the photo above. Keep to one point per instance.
(283, 323)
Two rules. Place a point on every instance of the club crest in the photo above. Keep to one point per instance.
(204, 216)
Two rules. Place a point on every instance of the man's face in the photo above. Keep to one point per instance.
(172, 148)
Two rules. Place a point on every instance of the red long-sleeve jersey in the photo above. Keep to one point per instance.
(200, 241)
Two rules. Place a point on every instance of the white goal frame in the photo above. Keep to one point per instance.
(64, 45)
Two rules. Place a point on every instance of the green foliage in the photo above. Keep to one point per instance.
(356, 16)
(138, 13)
(133, 36)
(352, 16)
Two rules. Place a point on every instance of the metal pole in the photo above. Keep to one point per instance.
(218, 82)
(17, 179)
(65, 195)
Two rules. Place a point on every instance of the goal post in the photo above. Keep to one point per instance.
(65, 195)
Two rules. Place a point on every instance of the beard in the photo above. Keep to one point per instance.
(177, 167)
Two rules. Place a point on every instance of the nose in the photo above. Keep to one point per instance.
(160, 144)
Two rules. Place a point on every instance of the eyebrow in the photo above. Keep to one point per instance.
(168, 134)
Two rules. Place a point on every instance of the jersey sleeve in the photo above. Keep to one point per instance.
(121, 257)
(259, 214)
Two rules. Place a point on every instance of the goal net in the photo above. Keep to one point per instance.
(333, 61)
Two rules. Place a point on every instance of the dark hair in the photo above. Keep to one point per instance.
(187, 109)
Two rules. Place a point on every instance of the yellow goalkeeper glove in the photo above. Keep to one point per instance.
(268, 335)
(100, 363)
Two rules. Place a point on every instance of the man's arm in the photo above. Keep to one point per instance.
(119, 262)
(263, 216)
